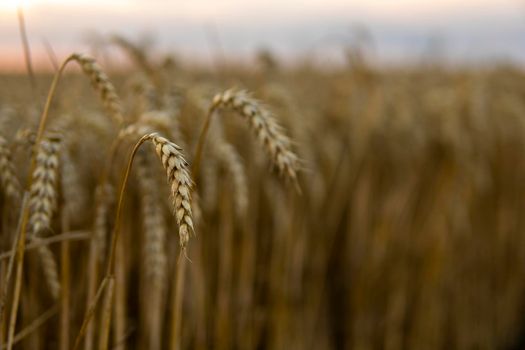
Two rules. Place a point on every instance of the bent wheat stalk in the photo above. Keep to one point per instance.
(180, 182)
(107, 91)
(100, 82)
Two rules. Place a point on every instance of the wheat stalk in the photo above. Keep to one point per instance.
(180, 181)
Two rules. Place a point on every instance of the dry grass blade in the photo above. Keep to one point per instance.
(90, 312)
(37, 323)
(68, 236)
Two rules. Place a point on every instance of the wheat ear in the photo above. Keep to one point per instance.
(43, 191)
(8, 180)
(43, 203)
(269, 133)
(138, 55)
(180, 181)
(102, 84)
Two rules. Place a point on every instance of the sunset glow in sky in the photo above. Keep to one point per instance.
(400, 29)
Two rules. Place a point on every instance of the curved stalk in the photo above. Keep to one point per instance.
(25, 211)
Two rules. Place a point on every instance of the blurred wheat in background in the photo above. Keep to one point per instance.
(170, 205)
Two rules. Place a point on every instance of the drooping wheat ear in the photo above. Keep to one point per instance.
(134, 130)
(104, 199)
(271, 135)
(146, 96)
(10, 184)
(102, 84)
(158, 119)
(232, 162)
(137, 54)
(43, 203)
(180, 181)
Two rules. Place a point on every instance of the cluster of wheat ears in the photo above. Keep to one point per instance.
(363, 209)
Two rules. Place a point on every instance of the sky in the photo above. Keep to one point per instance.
(394, 30)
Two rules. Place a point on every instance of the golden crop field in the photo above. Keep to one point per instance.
(173, 206)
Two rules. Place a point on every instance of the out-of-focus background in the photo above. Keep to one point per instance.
(360, 185)
(466, 31)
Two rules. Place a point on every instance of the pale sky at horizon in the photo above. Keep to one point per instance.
(476, 30)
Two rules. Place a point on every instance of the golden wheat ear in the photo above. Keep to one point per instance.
(8, 180)
(270, 134)
(102, 84)
(43, 203)
(44, 187)
(180, 182)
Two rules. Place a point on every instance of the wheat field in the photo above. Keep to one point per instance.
(173, 206)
